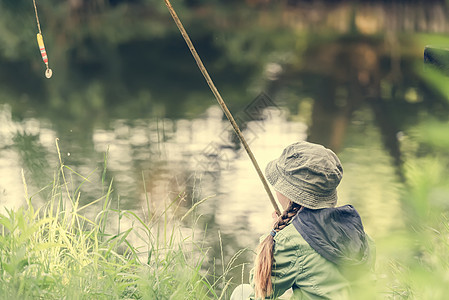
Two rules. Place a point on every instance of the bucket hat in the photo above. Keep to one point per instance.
(306, 173)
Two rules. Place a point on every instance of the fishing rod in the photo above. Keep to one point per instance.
(221, 102)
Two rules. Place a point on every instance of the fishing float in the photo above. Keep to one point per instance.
(40, 42)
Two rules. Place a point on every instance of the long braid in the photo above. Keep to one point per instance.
(264, 258)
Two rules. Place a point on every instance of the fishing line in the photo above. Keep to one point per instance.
(40, 42)
(221, 102)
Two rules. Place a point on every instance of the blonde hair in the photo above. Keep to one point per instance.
(264, 259)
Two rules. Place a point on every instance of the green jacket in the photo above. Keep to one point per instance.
(311, 276)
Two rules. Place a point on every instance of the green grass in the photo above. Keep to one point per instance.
(56, 252)
(414, 261)
(418, 267)
(418, 263)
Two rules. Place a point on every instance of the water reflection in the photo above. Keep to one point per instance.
(163, 160)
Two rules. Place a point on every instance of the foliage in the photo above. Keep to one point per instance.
(56, 252)
(420, 270)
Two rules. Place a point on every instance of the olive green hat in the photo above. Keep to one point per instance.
(307, 174)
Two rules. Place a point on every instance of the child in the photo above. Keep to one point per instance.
(316, 249)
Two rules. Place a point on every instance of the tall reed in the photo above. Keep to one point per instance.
(56, 252)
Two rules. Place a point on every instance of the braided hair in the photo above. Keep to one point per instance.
(264, 258)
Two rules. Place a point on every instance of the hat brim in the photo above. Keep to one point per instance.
(281, 183)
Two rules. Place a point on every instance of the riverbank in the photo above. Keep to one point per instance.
(56, 251)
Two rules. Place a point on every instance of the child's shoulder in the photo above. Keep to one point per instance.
(290, 237)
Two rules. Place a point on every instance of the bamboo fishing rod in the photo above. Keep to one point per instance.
(222, 103)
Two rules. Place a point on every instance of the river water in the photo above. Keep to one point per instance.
(191, 159)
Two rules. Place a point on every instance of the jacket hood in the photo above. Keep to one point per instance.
(337, 234)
